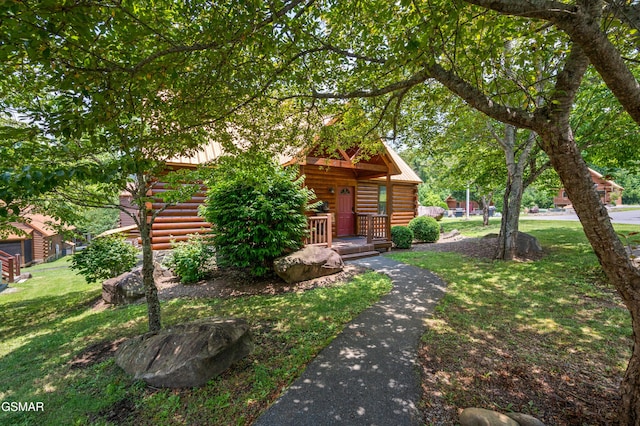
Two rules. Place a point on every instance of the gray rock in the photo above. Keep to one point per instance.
(123, 289)
(433, 211)
(309, 263)
(449, 235)
(525, 419)
(525, 244)
(186, 355)
(482, 417)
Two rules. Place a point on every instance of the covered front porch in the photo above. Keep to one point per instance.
(370, 239)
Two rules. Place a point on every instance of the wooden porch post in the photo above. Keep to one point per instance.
(389, 205)
(11, 266)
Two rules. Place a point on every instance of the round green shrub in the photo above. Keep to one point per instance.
(401, 236)
(104, 258)
(425, 229)
(257, 211)
(191, 259)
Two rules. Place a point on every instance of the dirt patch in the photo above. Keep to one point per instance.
(560, 395)
(95, 353)
(480, 248)
(225, 283)
(122, 412)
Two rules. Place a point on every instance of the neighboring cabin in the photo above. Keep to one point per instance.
(606, 189)
(40, 242)
(357, 195)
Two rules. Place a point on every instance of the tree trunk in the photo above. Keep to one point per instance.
(486, 202)
(510, 218)
(512, 197)
(151, 291)
(576, 179)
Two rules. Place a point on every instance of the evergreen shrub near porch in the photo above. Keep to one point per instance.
(401, 236)
(257, 211)
(425, 229)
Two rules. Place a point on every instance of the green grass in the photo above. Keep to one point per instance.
(544, 320)
(46, 324)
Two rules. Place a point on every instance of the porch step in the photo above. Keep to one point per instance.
(353, 249)
(352, 256)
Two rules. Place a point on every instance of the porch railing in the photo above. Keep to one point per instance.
(10, 266)
(372, 226)
(319, 231)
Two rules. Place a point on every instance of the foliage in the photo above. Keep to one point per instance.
(532, 196)
(49, 322)
(97, 220)
(112, 91)
(257, 209)
(105, 258)
(401, 236)
(191, 259)
(425, 229)
(428, 198)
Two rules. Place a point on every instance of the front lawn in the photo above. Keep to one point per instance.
(50, 321)
(550, 337)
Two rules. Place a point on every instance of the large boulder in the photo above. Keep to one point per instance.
(186, 355)
(526, 244)
(482, 417)
(308, 263)
(525, 419)
(123, 289)
(433, 211)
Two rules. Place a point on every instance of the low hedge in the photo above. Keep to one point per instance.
(425, 229)
(401, 236)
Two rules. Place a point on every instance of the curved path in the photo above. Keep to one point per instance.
(369, 374)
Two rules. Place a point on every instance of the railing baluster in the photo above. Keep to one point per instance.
(319, 231)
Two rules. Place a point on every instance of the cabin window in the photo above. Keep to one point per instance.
(382, 199)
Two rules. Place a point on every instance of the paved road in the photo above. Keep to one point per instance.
(628, 216)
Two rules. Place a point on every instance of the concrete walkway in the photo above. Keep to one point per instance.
(369, 374)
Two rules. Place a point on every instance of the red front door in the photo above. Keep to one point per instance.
(345, 211)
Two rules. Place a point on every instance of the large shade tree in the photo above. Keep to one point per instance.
(113, 89)
(394, 51)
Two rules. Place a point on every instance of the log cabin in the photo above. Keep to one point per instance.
(361, 199)
(38, 242)
(609, 191)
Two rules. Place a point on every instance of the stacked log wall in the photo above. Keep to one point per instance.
(178, 221)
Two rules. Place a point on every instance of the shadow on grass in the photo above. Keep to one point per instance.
(18, 318)
(547, 338)
(290, 329)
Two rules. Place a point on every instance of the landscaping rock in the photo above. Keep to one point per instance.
(186, 355)
(482, 417)
(526, 244)
(123, 289)
(433, 211)
(525, 419)
(449, 235)
(309, 263)
(634, 255)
